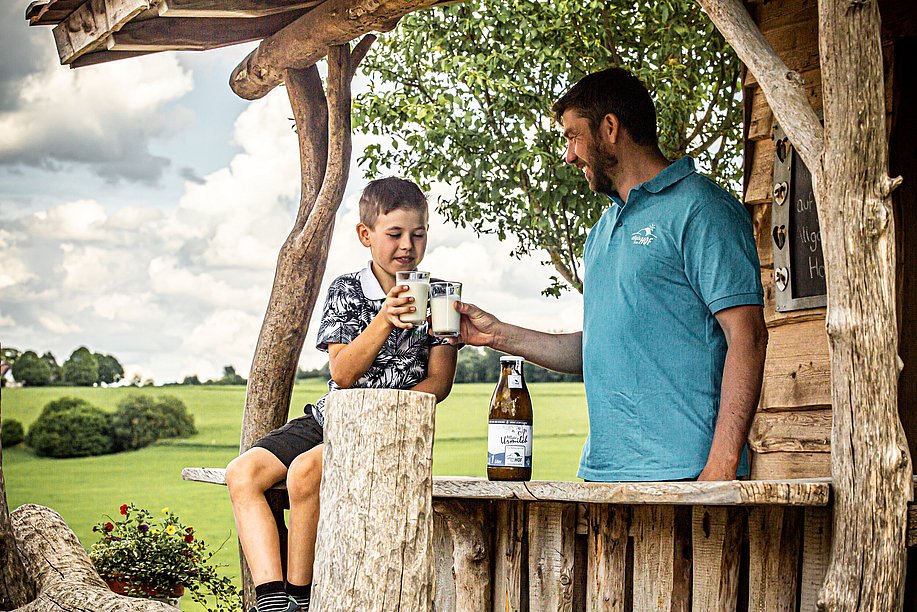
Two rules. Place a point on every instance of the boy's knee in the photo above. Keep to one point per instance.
(240, 475)
(304, 476)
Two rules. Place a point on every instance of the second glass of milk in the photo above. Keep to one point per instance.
(443, 297)
(418, 288)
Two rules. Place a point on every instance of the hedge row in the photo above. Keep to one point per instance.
(71, 427)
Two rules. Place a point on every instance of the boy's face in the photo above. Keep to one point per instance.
(397, 241)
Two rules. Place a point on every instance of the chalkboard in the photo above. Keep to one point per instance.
(799, 265)
(807, 263)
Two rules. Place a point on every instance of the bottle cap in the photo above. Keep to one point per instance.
(513, 358)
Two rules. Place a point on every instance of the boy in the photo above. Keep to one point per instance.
(368, 347)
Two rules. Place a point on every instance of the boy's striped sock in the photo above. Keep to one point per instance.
(271, 597)
(302, 595)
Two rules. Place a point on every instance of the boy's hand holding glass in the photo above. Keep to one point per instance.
(397, 302)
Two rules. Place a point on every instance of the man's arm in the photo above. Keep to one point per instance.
(746, 337)
(440, 372)
(558, 352)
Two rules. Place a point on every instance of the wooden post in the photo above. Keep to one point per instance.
(16, 589)
(375, 535)
(463, 535)
(870, 461)
(323, 127)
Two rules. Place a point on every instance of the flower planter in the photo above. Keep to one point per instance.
(123, 587)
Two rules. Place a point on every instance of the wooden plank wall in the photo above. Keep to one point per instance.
(791, 434)
(510, 555)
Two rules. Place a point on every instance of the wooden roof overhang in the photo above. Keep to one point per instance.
(294, 33)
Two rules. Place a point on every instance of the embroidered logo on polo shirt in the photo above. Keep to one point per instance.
(644, 236)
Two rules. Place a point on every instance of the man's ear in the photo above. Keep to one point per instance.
(363, 234)
(610, 128)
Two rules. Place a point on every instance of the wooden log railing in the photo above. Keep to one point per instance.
(545, 545)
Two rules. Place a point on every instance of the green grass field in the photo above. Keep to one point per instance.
(83, 490)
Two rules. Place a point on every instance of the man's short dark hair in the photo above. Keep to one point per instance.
(382, 196)
(615, 91)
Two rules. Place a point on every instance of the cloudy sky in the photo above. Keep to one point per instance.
(142, 206)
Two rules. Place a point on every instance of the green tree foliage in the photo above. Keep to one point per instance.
(11, 433)
(82, 368)
(191, 380)
(177, 422)
(230, 377)
(31, 370)
(57, 376)
(141, 420)
(464, 93)
(9, 354)
(110, 369)
(323, 373)
(479, 365)
(70, 427)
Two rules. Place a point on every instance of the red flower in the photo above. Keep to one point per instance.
(124, 509)
(189, 538)
(109, 527)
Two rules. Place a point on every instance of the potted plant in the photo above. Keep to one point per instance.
(142, 557)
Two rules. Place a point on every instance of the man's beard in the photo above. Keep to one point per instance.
(602, 162)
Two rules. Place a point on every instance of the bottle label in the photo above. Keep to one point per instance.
(514, 381)
(509, 443)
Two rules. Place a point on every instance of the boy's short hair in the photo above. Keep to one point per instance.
(612, 91)
(382, 196)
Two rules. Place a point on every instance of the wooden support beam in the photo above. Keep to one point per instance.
(231, 8)
(89, 26)
(306, 40)
(552, 534)
(195, 34)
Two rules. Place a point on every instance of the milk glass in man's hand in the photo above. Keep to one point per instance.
(418, 288)
(444, 295)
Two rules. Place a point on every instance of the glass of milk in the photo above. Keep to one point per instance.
(418, 288)
(443, 297)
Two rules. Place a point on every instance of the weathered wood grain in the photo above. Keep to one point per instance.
(774, 539)
(552, 534)
(468, 525)
(231, 8)
(764, 240)
(797, 430)
(816, 549)
(871, 464)
(510, 548)
(195, 34)
(89, 26)
(443, 560)
(717, 541)
(761, 182)
(606, 558)
(797, 371)
(781, 464)
(654, 556)
(376, 487)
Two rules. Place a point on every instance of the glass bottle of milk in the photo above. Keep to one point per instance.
(509, 427)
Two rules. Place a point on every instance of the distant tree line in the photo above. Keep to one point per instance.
(475, 365)
(82, 369)
(230, 377)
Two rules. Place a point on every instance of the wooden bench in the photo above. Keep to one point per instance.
(546, 545)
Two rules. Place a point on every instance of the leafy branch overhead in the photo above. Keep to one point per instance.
(463, 93)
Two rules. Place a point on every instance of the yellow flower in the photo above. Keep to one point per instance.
(155, 532)
(170, 529)
(165, 510)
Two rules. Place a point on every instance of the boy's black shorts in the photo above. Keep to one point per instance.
(294, 438)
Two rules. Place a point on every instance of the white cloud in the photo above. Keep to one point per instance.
(225, 335)
(131, 308)
(6, 321)
(112, 114)
(79, 220)
(56, 324)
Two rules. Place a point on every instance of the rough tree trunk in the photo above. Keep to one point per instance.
(15, 587)
(375, 536)
(870, 462)
(63, 573)
(323, 128)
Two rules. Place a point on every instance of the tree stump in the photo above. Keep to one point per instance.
(65, 577)
(375, 535)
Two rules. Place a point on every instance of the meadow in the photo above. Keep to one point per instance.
(85, 490)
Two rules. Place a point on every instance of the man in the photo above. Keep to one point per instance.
(673, 342)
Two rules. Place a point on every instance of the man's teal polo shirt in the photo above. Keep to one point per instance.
(657, 269)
